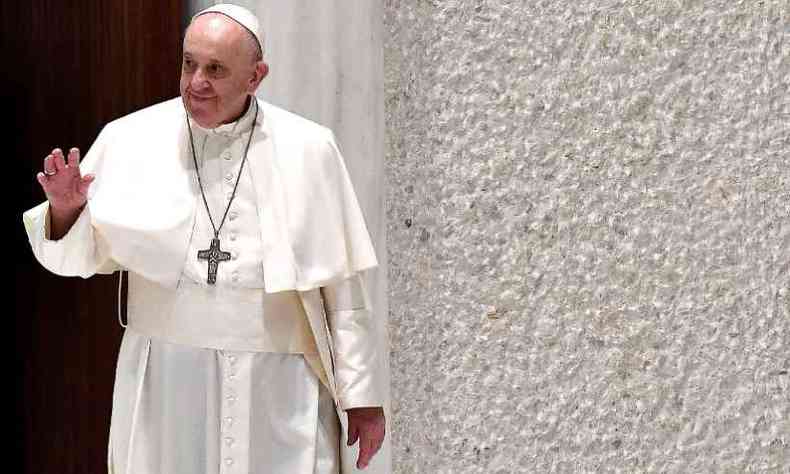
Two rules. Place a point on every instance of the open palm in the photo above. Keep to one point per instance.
(62, 182)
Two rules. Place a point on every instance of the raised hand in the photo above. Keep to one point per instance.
(366, 425)
(66, 189)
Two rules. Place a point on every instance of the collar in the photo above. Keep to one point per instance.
(234, 129)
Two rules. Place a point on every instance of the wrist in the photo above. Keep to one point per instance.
(61, 220)
(65, 212)
(368, 409)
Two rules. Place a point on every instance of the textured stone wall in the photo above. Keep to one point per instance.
(589, 235)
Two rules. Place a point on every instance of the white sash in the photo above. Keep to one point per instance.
(216, 317)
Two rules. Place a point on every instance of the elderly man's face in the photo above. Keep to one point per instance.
(219, 70)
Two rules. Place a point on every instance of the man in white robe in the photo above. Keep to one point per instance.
(252, 369)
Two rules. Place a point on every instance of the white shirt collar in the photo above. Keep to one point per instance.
(236, 128)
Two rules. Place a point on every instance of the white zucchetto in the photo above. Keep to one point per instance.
(240, 15)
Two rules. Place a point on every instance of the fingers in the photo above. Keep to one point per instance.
(60, 162)
(42, 180)
(61, 171)
(369, 444)
(353, 432)
(368, 425)
(370, 440)
(74, 158)
(364, 453)
(56, 162)
(49, 164)
(85, 183)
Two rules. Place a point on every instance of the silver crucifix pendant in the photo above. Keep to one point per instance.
(214, 255)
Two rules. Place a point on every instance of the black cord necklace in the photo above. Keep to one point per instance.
(214, 254)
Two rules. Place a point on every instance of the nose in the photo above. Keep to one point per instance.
(198, 80)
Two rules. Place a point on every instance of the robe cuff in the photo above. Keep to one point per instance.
(356, 359)
(357, 363)
(75, 254)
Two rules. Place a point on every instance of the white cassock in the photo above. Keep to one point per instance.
(252, 374)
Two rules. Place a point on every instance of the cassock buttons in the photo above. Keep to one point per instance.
(226, 156)
(229, 177)
(232, 236)
(232, 215)
(228, 441)
(228, 461)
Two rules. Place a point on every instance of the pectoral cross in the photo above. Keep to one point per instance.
(214, 255)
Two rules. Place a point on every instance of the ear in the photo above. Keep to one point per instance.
(261, 71)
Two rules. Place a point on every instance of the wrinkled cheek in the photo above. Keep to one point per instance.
(183, 84)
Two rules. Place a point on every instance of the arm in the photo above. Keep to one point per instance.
(357, 351)
(80, 252)
(59, 229)
(353, 336)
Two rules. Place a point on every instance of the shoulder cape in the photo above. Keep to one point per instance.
(144, 198)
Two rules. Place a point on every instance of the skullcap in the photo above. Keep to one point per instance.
(240, 15)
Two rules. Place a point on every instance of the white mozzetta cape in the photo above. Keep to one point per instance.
(143, 199)
(142, 208)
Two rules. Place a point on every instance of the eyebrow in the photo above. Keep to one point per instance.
(211, 60)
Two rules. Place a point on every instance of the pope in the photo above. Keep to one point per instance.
(250, 343)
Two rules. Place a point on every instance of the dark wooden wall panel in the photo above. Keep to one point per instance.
(74, 67)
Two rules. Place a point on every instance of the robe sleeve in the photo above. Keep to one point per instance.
(356, 349)
(82, 251)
